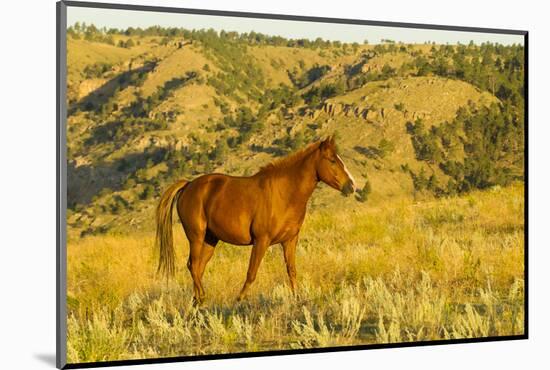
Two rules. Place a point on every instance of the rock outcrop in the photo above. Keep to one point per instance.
(347, 110)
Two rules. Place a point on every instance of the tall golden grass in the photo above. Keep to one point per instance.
(443, 269)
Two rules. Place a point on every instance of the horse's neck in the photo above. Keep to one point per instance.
(300, 180)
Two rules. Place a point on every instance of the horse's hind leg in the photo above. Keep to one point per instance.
(200, 252)
(207, 251)
(195, 250)
(193, 220)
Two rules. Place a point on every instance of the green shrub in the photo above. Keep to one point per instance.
(363, 194)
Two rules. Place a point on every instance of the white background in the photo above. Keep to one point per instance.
(27, 182)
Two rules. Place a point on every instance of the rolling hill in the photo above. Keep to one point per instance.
(147, 108)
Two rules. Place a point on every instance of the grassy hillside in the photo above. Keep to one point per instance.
(149, 107)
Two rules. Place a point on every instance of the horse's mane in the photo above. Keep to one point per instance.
(290, 159)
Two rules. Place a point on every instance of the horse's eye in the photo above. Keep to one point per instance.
(332, 160)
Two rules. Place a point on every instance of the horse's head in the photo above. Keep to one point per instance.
(331, 169)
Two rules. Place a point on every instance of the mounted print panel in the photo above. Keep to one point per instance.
(245, 184)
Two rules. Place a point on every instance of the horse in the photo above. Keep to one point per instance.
(261, 210)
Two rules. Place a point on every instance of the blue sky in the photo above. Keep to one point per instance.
(113, 18)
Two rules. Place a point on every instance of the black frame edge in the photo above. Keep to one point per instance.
(526, 181)
(222, 356)
(61, 185)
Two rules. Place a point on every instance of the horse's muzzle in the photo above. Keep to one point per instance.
(348, 188)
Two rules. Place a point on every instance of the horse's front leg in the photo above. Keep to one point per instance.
(289, 250)
(258, 252)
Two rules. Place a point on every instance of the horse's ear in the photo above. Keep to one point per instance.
(325, 143)
(328, 144)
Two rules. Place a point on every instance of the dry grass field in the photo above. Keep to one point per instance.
(393, 272)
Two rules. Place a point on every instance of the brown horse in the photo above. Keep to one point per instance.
(264, 209)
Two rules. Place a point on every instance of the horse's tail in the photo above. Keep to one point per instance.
(164, 240)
